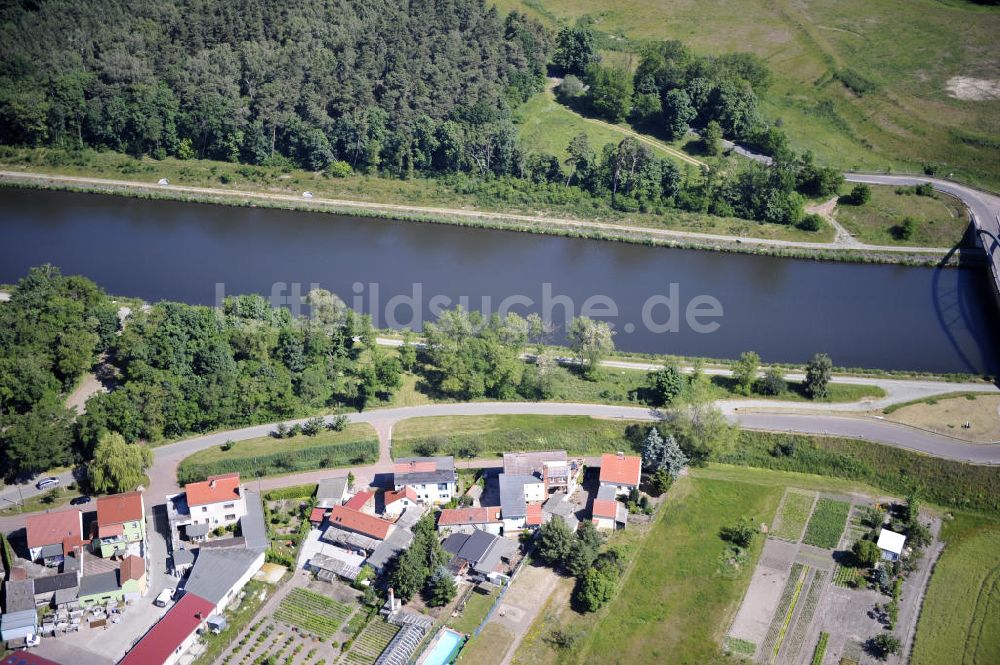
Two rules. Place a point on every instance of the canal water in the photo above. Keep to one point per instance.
(683, 302)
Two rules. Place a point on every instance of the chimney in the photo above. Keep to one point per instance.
(197, 615)
(621, 455)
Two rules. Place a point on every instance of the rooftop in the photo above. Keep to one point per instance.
(533, 516)
(25, 658)
(252, 524)
(19, 595)
(170, 632)
(358, 501)
(393, 496)
(397, 541)
(343, 517)
(119, 508)
(51, 528)
(52, 583)
(605, 504)
(521, 464)
(216, 489)
(620, 469)
(133, 568)
(423, 470)
(459, 516)
(891, 541)
(330, 491)
(482, 550)
(92, 585)
(217, 570)
(512, 494)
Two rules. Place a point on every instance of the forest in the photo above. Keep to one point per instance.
(427, 88)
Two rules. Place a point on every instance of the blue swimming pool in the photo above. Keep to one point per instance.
(444, 648)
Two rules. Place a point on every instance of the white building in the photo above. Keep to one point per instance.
(398, 501)
(891, 544)
(434, 479)
(218, 501)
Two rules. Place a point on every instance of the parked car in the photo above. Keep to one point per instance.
(165, 597)
(47, 483)
(80, 500)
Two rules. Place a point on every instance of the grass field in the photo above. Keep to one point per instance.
(489, 436)
(674, 606)
(476, 607)
(948, 416)
(267, 456)
(793, 515)
(908, 51)
(960, 619)
(484, 648)
(827, 523)
(893, 470)
(939, 220)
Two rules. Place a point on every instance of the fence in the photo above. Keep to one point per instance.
(503, 592)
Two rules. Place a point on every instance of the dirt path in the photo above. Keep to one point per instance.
(843, 237)
(89, 386)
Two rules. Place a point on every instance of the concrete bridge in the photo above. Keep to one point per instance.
(984, 209)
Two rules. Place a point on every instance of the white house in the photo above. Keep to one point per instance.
(398, 501)
(467, 520)
(607, 512)
(520, 501)
(218, 501)
(434, 479)
(891, 544)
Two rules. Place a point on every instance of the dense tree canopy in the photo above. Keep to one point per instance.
(376, 84)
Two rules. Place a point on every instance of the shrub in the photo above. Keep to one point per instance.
(338, 169)
(742, 533)
(811, 223)
(904, 230)
(860, 195)
(866, 553)
(339, 423)
(772, 383)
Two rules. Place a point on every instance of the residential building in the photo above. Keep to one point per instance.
(218, 501)
(556, 471)
(51, 536)
(560, 507)
(121, 525)
(356, 531)
(172, 635)
(891, 544)
(434, 478)
(621, 472)
(57, 590)
(479, 555)
(132, 576)
(395, 502)
(607, 512)
(101, 588)
(252, 524)
(467, 520)
(516, 493)
(398, 539)
(331, 492)
(20, 619)
(363, 501)
(220, 572)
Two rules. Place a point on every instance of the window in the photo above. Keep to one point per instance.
(229, 505)
(442, 487)
(204, 509)
(231, 517)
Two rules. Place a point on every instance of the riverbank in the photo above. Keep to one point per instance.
(568, 227)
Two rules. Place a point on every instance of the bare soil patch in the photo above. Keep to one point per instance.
(947, 416)
(972, 89)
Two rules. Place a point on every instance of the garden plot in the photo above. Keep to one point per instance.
(270, 642)
(370, 643)
(793, 514)
(827, 523)
(313, 613)
(763, 596)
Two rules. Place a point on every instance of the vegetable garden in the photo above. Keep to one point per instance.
(313, 612)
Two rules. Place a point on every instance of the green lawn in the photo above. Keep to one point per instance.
(674, 606)
(908, 49)
(487, 646)
(489, 436)
(476, 608)
(827, 523)
(940, 220)
(793, 515)
(960, 617)
(267, 456)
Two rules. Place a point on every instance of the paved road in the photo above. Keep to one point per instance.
(985, 208)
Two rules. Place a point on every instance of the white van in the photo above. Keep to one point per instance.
(164, 598)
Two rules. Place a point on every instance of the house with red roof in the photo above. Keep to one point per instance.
(120, 528)
(52, 536)
(172, 635)
(467, 520)
(620, 471)
(396, 501)
(608, 512)
(216, 501)
(363, 501)
(355, 531)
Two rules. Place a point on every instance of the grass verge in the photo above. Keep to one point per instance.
(358, 444)
(938, 221)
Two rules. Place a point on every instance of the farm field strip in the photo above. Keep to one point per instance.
(370, 644)
(785, 605)
(801, 626)
(313, 612)
(793, 514)
(827, 523)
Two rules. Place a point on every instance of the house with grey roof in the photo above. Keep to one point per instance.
(517, 493)
(52, 589)
(252, 524)
(433, 478)
(20, 619)
(220, 573)
(100, 588)
(479, 555)
(559, 506)
(331, 492)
